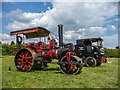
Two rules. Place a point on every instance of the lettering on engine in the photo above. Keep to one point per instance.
(81, 48)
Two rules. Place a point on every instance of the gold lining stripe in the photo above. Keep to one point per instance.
(56, 53)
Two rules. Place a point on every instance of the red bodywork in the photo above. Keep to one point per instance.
(68, 54)
(104, 60)
(46, 50)
(16, 50)
(24, 32)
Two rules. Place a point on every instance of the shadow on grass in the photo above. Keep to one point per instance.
(47, 69)
(79, 72)
(90, 67)
(60, 72)
(51, 69)
(57, 70)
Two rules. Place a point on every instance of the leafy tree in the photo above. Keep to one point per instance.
(9, 49)
(0, 42)
(111, 52)
(12, 43)
(5, 49)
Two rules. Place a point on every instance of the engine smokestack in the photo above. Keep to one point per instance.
(60, 32)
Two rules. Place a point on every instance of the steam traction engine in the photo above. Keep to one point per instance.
(37, 55)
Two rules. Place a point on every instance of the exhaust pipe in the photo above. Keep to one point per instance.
(60, 32)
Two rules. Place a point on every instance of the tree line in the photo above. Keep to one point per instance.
(9, 50)
(112, 52)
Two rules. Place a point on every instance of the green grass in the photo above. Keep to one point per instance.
(105, 76)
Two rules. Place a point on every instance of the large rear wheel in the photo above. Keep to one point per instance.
(24, 60)
(71, 69)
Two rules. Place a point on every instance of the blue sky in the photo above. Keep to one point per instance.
(80, 20)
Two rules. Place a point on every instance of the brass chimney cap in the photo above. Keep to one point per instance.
(60, 25)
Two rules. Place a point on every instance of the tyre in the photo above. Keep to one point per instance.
(90, 62)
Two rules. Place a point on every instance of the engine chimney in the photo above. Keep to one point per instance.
(60, 31)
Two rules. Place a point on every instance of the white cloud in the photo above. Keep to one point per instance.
(116, 19)
(45, 4)
(111, 27)
(5, 38)
(111, 41)
(84, 33)
(72, 15)
(23, 16)
(80, 20)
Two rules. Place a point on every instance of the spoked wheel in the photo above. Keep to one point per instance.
(90, 62)
(24, 60)
(71, 69)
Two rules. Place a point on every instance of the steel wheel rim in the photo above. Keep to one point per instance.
(69, 68)
(90, 62)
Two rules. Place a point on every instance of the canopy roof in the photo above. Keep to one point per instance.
(93, 39)
(32, 32)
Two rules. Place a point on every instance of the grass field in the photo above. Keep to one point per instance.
(105, 76)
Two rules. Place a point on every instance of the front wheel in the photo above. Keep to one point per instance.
(90, 62)
(71, 69)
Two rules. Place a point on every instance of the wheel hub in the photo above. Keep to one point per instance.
(90, 62)
(24, 60)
